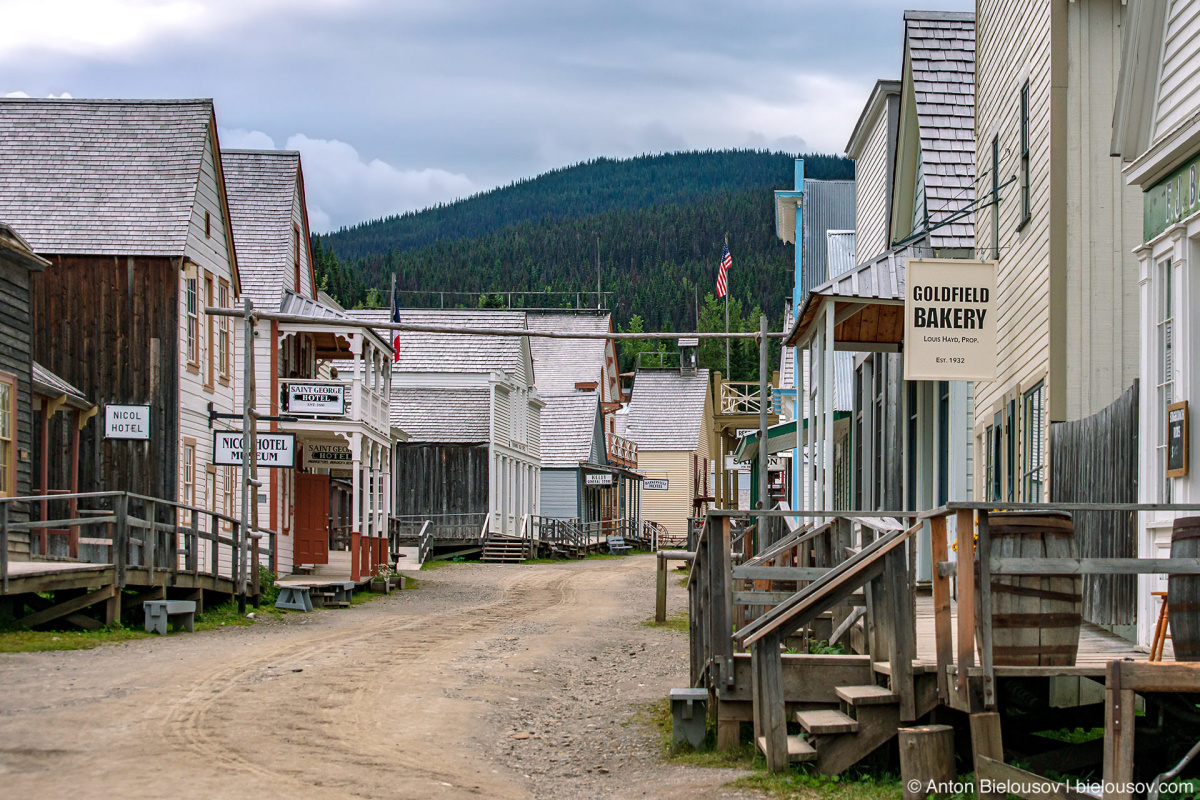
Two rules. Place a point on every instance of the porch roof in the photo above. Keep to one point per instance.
(47, 384)
(327, 344)
(869, 304)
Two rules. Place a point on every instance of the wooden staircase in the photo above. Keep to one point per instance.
(505, 550)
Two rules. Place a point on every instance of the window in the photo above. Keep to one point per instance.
(1033, 460)
(209, 355)
(996, 197)
(8, 435)
(860, 400)
(877, 479)
(227, 486)
(1166, 370)
(296, 255)
(1010, 464)
(996, 457)
(913, 436)
(210, 494)
(990, 473)
(193, 323)
(207, 224)
(188, 495)
(1026, 209)
(223, 332)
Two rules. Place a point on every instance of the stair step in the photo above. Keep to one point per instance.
(825, 721)
(869, 695)
(798, 748)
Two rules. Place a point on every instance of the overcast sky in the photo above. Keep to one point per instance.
(397, 104)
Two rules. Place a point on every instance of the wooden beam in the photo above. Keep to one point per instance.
(986, 746)
(1119, 716)
(778, 573)
(1160, 676)
(966, 615)
(942, 616)
(1095, 566)
(67, 607)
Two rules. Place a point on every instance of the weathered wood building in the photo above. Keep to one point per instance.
(18, 264)
(127, 201)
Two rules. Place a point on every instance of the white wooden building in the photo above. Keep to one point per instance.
(1157, 133)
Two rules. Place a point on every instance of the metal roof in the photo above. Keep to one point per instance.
(47, 384)
(881, 278)
(940, 51)
(455, 416)
(558, 364)
(828, 205)
(666, 411)
(110, 177)
(262, 186)
(839, 252)
(569, 422)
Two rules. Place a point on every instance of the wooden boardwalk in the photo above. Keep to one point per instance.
(1096, 648)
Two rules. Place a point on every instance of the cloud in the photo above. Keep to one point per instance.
(239, 139)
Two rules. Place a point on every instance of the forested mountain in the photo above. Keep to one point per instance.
(659, 223)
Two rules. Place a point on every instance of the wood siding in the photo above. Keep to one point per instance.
(1095, 460)
(109, 326)
(16, 358)
(872, 195)
(1104, 220)
(441, 479)
(671, 508)
(1179, 81)
(560, 493)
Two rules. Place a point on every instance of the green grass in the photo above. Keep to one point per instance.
(800, 781)
(40, 641)
(675, 622)
(435, 564)
(588, 557)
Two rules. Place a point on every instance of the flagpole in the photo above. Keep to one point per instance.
(728, 371)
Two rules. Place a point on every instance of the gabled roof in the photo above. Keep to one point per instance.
(456, 416)
(561, 363)
(14, 248)
(262, 186)
(452, 352)
(568, 428)
(876, 105)
(666, 411)
(102, 177)
(880, 279)
(940, 52)
(302, 306)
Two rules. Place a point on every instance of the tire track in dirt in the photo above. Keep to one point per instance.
(188, 725)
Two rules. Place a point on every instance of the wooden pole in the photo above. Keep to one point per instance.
(1119, 717)
(926, 759)
(942, 618)
(764, 498)
(660, 595)
(249, 453)
(985, 736)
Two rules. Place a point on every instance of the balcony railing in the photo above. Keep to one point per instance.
(741, 397)
(623, 451)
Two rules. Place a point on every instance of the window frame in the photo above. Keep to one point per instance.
(8, 488)
(1026, 177)
(209, 355)
(1165, 355)
(228, 496)
(224, 335)
(1033, 443)
(191, 291)
(296, 257)
(188, 484)
(1010, 447)
(207, 224)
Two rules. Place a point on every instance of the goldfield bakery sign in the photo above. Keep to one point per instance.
(949, 320)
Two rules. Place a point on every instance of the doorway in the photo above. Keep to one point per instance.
(312, 519)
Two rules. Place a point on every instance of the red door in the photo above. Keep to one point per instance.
(312, 519)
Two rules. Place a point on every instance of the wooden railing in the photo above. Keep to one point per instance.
(741, 397)
(131, 530)
(621, 450)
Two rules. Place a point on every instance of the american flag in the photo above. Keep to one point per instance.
(395, 334)
(722, 273)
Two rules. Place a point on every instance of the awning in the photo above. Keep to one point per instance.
(780, 438)
(868, 306)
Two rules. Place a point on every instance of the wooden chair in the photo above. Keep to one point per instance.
(1160, 629)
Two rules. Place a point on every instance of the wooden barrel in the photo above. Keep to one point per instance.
(1183, 592)
(1035, 620)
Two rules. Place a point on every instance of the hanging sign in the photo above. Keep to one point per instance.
(274, 449)
(126, 422)
(318, 399)
(655, 484)
(603, 479)
(327, 455)
(949, 320)
(1177, 440)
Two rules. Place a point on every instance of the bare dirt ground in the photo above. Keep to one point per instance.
(490, 681)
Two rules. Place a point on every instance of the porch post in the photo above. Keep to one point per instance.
(828, 403)
(356, 500)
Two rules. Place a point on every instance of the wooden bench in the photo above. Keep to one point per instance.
(294, 598)
(180, 613)
(617, 546)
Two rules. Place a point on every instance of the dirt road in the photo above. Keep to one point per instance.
(491, 681)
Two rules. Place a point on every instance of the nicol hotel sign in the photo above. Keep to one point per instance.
(949, 320)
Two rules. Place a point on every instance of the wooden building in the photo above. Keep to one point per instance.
(18, 264)
(1063, 234)
(472, 412)
(127, 201)
(1157, 134)
(671, 420)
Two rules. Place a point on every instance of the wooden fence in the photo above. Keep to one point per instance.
(1095, 460)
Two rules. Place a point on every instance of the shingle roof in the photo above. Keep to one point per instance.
(47, 383)
(940, 48)
(450, 352)
(666, 411)
(442, 415)
(568, 425)
(113, 177)
(558, 364)
(261, 186)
